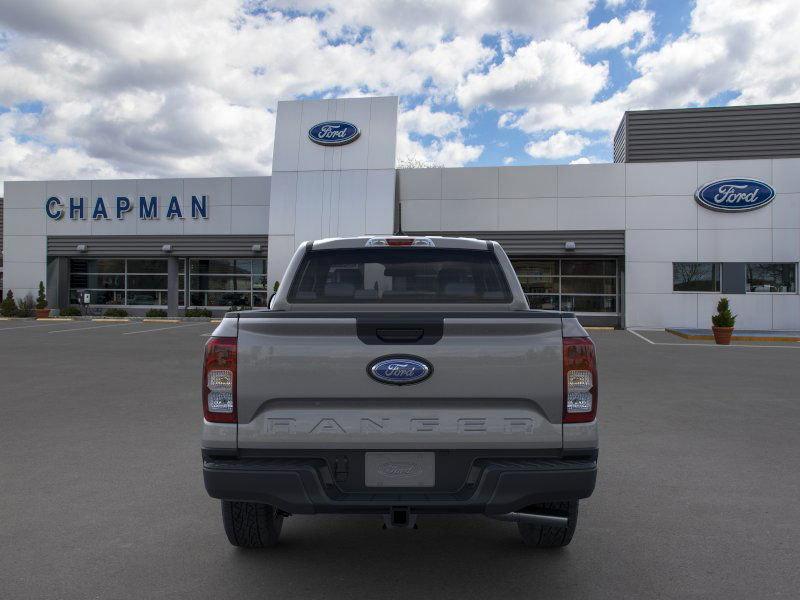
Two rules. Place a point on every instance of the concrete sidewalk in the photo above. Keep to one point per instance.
(741, 335)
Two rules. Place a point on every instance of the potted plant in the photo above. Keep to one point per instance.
(42, 312)
(723, 322)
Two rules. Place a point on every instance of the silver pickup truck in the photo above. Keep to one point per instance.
(400, 376)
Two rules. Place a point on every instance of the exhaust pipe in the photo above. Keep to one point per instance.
(540, 519)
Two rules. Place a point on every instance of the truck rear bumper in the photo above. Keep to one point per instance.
(307, 485)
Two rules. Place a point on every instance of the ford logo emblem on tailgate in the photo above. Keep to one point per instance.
(399, 370)
(404, 469)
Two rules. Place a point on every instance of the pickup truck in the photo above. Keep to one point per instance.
(400, 376)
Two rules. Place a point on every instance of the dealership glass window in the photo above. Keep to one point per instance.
(772, 277)
(224, 282)
(125, 282)
(579, 285)
(696, 277)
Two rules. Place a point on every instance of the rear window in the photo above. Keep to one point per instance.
(399, 275)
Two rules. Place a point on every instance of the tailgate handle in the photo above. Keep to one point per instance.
(407, 336)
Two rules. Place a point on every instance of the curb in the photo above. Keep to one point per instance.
(735, 338)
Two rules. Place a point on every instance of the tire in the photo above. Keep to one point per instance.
(251, 525)
(542, 536)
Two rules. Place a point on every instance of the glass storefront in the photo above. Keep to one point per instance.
(574, 285)
(212, 282)
(224, 282)
(122, 282)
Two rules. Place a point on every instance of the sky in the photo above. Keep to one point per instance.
(181, 88)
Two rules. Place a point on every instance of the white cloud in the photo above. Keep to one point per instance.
(509, 160)
(587, 160)
(447, 153)
(616, 32)
(745, 47)
(188, 87)
(559, 145)
(540, 72)
(423, 120)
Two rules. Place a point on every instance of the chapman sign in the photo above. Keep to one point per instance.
(147, 208)
(735, 195)
(333, 133)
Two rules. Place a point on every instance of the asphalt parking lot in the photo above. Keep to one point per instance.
(101, 492)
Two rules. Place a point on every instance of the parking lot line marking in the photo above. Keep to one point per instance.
(641, 337)
(161, 329)
(88, 328)
(28, 326)
(685, 345)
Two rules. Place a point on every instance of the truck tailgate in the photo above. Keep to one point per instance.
(303, 382)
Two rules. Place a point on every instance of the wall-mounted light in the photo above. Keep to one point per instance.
(256, 248)
(82, 248)
(569, 245)
(166, 248)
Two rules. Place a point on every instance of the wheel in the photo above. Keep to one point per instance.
(251, 525)
(542, 536)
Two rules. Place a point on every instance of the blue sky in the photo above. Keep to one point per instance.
(159, 88)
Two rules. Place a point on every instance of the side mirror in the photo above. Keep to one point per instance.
(271, 301)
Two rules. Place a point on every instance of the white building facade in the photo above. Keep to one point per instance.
(624, 244)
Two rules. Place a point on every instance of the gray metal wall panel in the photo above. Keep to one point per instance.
(150, 245)
(723, 133)
(1, 231)
(548, 243)
(620, 139)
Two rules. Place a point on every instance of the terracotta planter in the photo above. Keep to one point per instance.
(42, 313)
(722, 335)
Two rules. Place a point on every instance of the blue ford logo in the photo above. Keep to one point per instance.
(333, 133)
(399, 370)
(735, 195)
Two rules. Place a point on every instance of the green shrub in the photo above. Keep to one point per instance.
(115, 312)
(156, 312)
(41, 299)
(71, 311)
(724, 316)
(197, 312)
(8, 308)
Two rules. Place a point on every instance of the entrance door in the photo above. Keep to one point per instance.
(586, 286)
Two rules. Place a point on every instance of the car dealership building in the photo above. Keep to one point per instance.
(699, 203)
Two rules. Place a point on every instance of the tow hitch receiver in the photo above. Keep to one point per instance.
(400, 517)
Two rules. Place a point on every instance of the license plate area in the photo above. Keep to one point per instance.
(400, 469)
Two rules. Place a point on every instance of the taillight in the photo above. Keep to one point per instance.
(219, 380)
(580, 380)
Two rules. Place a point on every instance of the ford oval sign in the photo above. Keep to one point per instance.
(399, 370)
(735, 195)
(333, 133)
